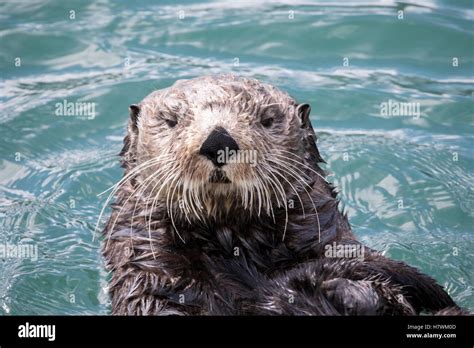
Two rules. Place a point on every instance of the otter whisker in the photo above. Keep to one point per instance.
(152, 209)
(121, 208)
(197, 195)
(262, 183)
(170, 177)
(251, 198)
(312, 201)
(155, 198)
(294, 189)
(244, 188)
(274, 185)
(297, 195)
(265, 193)
(290, 166)
(155, 175)
(305, 178)
(191, 202)
(295, 165)
(171, 210)
(271, 188)
(284, 199)
(259, 195)
(301, 163)
(118, 214)
(189, 206)
(135, 171)
(191, 192)
(136, 204)
(185, 206)
(119, 184)
(140, 187)
(292, 171)
(143, 186)
(128, 175)
(196, 199)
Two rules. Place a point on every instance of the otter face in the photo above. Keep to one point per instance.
(216, 143)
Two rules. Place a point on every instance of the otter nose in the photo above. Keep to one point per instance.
(218, 146)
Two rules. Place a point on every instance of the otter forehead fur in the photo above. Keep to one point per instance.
(190, 234)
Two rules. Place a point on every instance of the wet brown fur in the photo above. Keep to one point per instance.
(232, 260)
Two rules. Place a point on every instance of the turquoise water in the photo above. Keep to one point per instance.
(405, 181)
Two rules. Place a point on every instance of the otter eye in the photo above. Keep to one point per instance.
(171, 123)
(267, 122)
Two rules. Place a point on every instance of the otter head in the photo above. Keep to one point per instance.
(211, 145)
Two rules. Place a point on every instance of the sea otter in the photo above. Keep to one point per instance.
(225, 210)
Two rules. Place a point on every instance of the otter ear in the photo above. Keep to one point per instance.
(303, 111)
(309, 138)
(134, 112)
